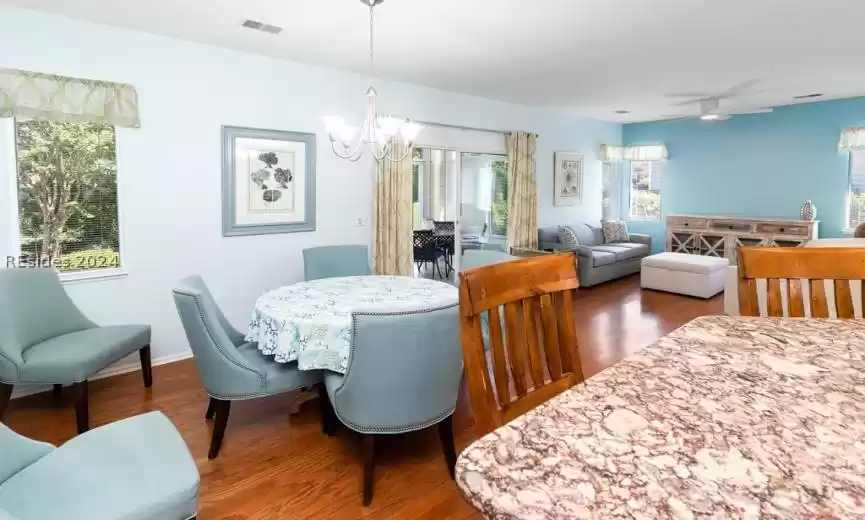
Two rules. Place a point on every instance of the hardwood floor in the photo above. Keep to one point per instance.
(273, 465)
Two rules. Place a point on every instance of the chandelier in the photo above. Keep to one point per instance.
(377, 132)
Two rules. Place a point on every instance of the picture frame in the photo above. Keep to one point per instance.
(268, 181)
(568, 179)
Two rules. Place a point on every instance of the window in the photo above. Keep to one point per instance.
(856, 195)
(67, 195)
(499, 214)
(645, 193)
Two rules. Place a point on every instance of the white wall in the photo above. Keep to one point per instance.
(169, 169)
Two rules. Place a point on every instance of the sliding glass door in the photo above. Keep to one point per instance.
(459, 203)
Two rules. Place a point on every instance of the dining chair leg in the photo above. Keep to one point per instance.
(5, 396)
(328, 417)
(222, 410)
(82, 406)
(57, 391)
(446, 435)
(211, 408)
(146, 366)
(439, 268)
(368, 467)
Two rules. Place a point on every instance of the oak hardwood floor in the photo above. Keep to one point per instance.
(274, 465)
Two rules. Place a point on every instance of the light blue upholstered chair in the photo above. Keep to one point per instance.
(231, 368)
(135, 469)
(403, 375)
(45, 339)
(335, 261)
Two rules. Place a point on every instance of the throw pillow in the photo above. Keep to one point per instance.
(615, 231)
(568, 237)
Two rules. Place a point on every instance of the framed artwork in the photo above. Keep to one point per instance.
(268, 181)
(568, 179)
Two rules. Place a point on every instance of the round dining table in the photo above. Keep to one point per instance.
(310, 322)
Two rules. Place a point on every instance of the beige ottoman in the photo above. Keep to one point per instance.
(692, 275)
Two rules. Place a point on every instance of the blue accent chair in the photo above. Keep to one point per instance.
(403, 375)
(231, 368)
(135, 469)
(335, 261)
(45, 339)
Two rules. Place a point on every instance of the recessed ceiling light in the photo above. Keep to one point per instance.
(258, 26)
(623, 111)
(709, 117)
(809, 96)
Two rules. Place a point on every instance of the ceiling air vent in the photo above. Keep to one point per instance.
(252, 24)
(809, 96)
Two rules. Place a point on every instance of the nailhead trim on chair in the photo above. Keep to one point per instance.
(387, 429)
(207, 327)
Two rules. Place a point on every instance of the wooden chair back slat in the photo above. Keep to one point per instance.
(567, 334)
(539, 345)
(533, 344)
(796, 297)
(843, 299)
(497, 353)
(551, 336)
(773, 302)
(798, 266)
(748, 305)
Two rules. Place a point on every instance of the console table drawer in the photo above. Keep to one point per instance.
(690, 223)
(781, 229)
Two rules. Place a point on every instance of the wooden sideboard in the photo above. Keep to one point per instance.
(723, 236)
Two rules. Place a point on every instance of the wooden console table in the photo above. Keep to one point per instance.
(723, 236)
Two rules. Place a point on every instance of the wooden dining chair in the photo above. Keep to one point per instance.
(819, 279)
(535, 357)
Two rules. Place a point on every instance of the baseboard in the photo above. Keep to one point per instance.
(114, 370)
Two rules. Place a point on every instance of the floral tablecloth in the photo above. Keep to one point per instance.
(310, 322)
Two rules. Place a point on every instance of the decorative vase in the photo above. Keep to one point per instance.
(809, 210)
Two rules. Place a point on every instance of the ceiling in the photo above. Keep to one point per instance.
(590, 56)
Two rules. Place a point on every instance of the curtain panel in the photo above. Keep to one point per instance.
(617, 153)
(33, 95)
(852, 139)
(392, 247)
(523, 191)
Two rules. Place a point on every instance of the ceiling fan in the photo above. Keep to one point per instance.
(710, 104)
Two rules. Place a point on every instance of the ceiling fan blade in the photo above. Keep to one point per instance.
(691, 101)
(744, 112)
(675, 117)
(689, 95)
(738, 89)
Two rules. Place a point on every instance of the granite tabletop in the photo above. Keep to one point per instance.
(723, 418)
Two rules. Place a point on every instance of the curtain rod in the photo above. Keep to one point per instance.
(460, 127)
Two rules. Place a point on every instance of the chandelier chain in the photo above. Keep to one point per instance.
(371, 41)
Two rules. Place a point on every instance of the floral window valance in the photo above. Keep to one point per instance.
(34, 95)
(615, 153)
(852, 139)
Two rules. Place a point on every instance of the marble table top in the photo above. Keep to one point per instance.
(723, 418)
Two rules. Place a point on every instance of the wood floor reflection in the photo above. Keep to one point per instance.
(273, 465)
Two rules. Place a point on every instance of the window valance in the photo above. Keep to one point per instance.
(614, 153)
(34, 95)
(852, 139)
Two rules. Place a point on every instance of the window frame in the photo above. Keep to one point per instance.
(848, 196)
(10, 237)
(631, 191)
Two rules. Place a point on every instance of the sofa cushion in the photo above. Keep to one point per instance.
(548, 235)
(688, 263)
(135, 469)
(615, 231)
(600, 258)
(585, 234)
(568, 237)
(74, 357)
(624, 251)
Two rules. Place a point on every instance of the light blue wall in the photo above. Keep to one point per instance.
(762, 165)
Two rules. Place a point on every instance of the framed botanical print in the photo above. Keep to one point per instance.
(568, 179)
(268, 181)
